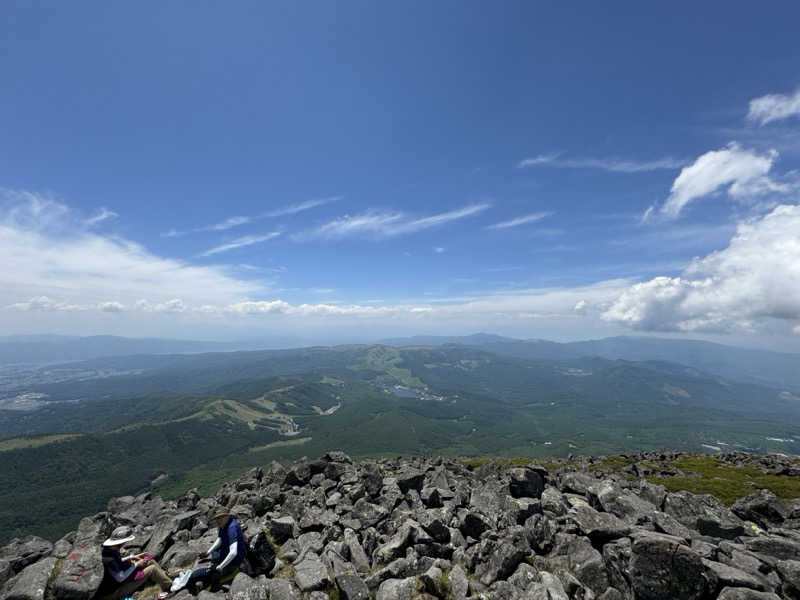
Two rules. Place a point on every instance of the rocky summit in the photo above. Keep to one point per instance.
(427, 528)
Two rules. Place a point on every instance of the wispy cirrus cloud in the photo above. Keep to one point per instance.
(385, 224)
(300, 207)
(238, 220)
(102, 215)
(613, 164)
(516, 222)
(774, 107)
(247, 240)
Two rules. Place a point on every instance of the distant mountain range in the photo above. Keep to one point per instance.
(763, 367)
(39, 349)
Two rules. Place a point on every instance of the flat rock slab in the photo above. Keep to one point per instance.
(280, 589)
(731, 593)
(311, 574)
(732, 577)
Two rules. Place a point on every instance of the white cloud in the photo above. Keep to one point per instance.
(300, 207)
(616, 165)
(102, 215)
(532, 218)
(438, 250)
(385, 224)
(62, 265)
(774, 107)
(743, 171)
(756, 279)
(227, 224)
(239, 220)
(112, 307)
(241, 242)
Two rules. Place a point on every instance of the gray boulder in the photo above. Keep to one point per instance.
(502, 560)
(82, 570)
(352, 587)
(610, 496)
(662, 569)
(280, 589)
(458, 583)
(397, 589)
(731, 593)
(729, 576)
(617, 558)
(704, 513)
(31, 582)
(248, 588)
(281, 529)
(19, 553)
(525, 483)
(779, 547)
(762, 507)
(599, 527)
(789, 570)
(311, 574)
(5, 571)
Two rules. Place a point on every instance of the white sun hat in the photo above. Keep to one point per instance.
(119, 536)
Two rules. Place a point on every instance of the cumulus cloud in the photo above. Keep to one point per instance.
(744, 172)
(112, 307)
(754, 280)
(385, 224)
(774, 107)
(615, 165)
(532, 218)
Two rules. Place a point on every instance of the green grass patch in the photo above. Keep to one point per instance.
(280, 444)
(35, 441)
(615, 462)
(474, 463)
(727, 483)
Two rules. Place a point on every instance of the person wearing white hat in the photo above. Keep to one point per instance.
(124, 575)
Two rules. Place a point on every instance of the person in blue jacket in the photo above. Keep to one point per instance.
(226, 554)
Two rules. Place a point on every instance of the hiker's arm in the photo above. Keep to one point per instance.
(230, 557)
(215, 546)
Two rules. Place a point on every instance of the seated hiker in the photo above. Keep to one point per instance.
(226, 554)
(124, 575)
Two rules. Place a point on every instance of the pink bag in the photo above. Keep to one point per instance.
(140, 572)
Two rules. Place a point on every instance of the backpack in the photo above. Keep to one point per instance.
(259, 557)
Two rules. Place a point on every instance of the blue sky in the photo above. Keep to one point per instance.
(343, 171)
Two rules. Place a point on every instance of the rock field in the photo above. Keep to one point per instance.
(427, 528)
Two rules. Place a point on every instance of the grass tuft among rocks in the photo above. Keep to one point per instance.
(728, 483)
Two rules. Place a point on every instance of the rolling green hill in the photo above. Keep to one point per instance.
(190, 421)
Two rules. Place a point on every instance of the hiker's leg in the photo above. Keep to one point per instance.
(155, 573)
(197, 576)
(127, 589)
